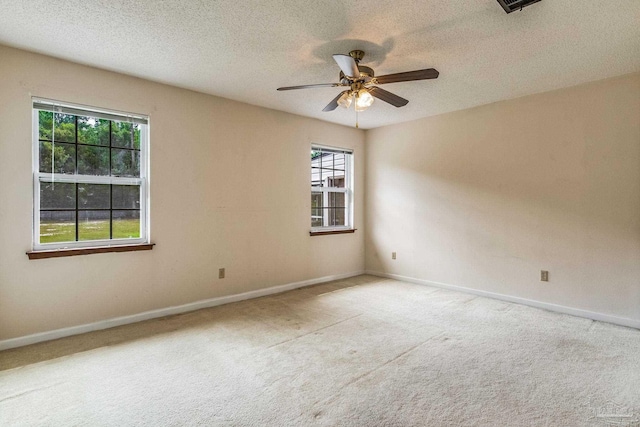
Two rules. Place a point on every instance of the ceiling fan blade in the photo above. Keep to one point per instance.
(429, 73)
(311, 86)
(334, 103)
(348, 65)
(387, 96)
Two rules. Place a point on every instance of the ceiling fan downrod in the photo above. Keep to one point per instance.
(357, 55)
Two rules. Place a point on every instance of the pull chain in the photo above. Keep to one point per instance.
(355, 106)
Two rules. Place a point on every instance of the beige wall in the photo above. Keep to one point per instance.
(229, 188)
(487, 197)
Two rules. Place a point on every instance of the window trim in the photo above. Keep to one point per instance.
(348, 189)
(329, 232)
(57, 253)
(42, 104)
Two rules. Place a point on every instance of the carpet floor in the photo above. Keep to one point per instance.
(364, 351)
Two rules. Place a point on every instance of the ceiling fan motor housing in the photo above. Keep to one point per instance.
(357, 55)
(366, 74)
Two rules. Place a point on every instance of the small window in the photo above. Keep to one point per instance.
(90, 177)
(331, 189)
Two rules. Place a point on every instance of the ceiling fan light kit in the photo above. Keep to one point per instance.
(345, 100)
(362, 84)
(363, 100)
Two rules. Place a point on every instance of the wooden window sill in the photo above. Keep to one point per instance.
(328, 232)
(55, 253)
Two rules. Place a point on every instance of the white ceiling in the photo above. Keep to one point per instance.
(244, 50)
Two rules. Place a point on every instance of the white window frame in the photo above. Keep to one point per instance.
(347, 189)
(39, 177)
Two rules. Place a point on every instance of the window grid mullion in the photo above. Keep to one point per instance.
(321, 173)
(110, 185)
(87, 209)
(77, 213)
(75, 141)
(89, 145)
(111, 211)
(333, 169)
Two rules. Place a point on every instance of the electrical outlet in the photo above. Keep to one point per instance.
(544, 276)
(221, 273)
(393, 255)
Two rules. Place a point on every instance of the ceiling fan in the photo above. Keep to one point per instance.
(362, 83)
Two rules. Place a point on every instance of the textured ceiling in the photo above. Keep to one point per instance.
(244, 50)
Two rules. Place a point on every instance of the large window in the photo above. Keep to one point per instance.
(90, 169)
(331, 188)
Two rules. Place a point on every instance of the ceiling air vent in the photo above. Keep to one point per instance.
(513, 5)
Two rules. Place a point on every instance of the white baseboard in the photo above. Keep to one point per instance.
(139, 317)
(622, 321)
